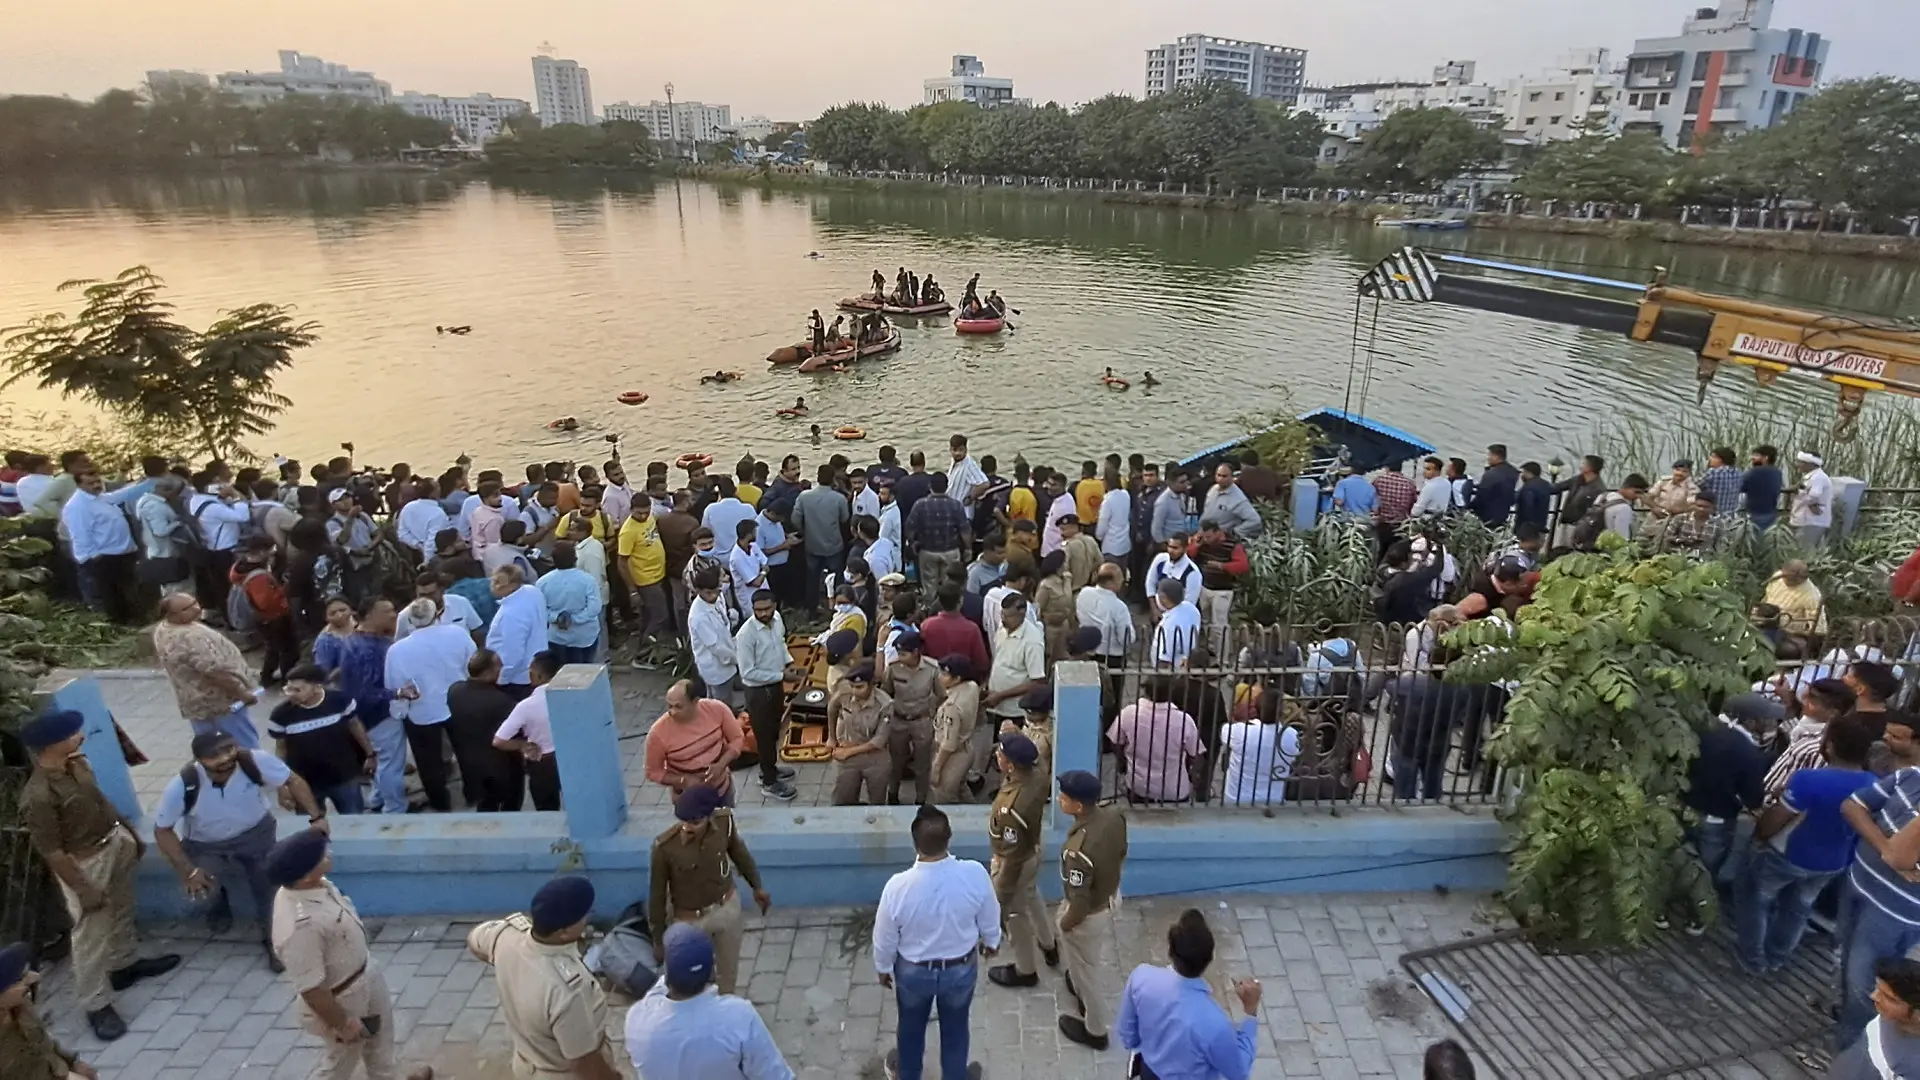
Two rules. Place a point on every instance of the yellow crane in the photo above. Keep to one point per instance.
(1855, 354)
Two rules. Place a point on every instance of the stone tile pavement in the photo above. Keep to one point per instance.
(1336, 1006)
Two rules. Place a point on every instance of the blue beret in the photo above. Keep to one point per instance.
(1019, 750)
(296, 856)
(1084, 640)
(1038, 699)
(1080, 784)
(698, 802)
(51, 727)
(560, 903)
(1052, 563)
(841, 643)
(861, 674)
(13, 965)
(907, 641)
(957, 665)
(689, 956)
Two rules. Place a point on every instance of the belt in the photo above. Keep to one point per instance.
(708, 910)
(958, 961)
(347, 983)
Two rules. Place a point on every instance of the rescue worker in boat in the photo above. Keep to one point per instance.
(836, 335)
(900, 294)
(930, 291)
(996, 305)
(818, 328)
(913, 289)
(879, 286)
(972, 294)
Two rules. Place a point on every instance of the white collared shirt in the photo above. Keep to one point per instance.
(432, 658)
(417, 523)
(1102, 609)
(1176, 634)
(962, 477)
(221, 811)
(935, 911)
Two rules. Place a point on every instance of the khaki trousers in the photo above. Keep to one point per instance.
(724, 923)
(1016, 884)
(910, 745)
(1083, 952)
(949, 786)
(367, 997)
(103, 941)
(873, 769)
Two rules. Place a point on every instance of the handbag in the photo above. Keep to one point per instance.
(164, 570)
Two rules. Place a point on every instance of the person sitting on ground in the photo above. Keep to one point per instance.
(1798, 599)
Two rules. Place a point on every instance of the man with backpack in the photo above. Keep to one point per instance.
(257, 603)
(215, 826)
(1611, 512)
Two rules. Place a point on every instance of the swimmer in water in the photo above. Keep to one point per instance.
(816, 434)
(1148, 380)
(800, 407)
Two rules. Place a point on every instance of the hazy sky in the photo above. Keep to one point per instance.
(790, 58)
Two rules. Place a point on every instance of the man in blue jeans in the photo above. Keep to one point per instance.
(1804, 843)
(1725, 782)
(1880, 914)
(935, 919)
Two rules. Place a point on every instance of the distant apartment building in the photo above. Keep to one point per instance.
(1727, 71)
(686, 121)
(300, 74)
(968, 81)
(1274, 72)
(477, 117)
(1348, 112)
(754, 129)
(1579, 92)
(174, 80)
(562, 91)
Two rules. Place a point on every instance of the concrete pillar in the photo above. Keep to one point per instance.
(1076, 725)
(102, 746)
(587, 744)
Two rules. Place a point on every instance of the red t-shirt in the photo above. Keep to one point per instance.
(950, 632)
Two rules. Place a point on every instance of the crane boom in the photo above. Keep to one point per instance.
(1854, 355)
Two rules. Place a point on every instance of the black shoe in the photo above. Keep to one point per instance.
(273, 959)
(974, 1072)
(784, 772)
(779, 789)
(106, 1024)
(1051, 956)
(1075, 1029)
(977, 786)
(220, 918)
(1009, 976)
(143, 968)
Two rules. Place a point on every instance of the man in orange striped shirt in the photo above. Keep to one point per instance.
(694, 742)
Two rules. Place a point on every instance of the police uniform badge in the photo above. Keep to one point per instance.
(1076, 878)
(1010, 834)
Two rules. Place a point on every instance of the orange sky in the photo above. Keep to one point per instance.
(790, 58)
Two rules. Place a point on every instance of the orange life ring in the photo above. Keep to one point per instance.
(1115, 382)
(789, 411)
(633, 397)
(849, 433)
(687, 461)
(565, 423)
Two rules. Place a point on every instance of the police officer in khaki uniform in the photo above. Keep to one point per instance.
(1014, 827)
(859, 727)
(1090, 862)
(1037, 725)
(553, 1006)
(692, 879)
(953, 724)
(27, 1052)
(94, 855)
(913, 682)
(318, 936)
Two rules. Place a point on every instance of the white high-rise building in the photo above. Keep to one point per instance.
(477, 117)
(1349, 112)
(1727, 71)
(1579, 92)
(301, 74)
(689, 121)
(968, 81)
(1275, 72)
(562, 92)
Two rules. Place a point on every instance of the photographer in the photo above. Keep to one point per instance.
(1412, 569)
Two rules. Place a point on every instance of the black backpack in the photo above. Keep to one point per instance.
(190, 777)
(1586, 532)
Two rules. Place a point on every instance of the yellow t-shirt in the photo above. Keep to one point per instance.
(1022, 506)
(748, 493)
(646, 556)
(1086, 501)
(600, 522)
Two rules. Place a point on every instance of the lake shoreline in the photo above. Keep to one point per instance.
(1895, 248)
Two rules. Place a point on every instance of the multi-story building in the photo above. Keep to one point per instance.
(477, 117)
(1349, 112)
(1727, 71)
(562, 91)
(685, 121)
(174, 80)
(1274, 72)
(754, 128)
(300, 74)
(969, 81)
(1577, 94)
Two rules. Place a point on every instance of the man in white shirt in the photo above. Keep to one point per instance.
(889, 515)
(1178, 629)
(451, 608)
(102, 547)
(724, 516)
(1059, 504)
(882, 555)
(934, 919)
(866, 501)
(747, 565)
(528, 733)
(616, 498)
(710, 635)
(518, 630)
(1101, 607)
(1114, 528)
(222, 831)
(1812, 513)
(1436, 491)
(685, 1028)
(421, 519)
(965, 478)
(218, 512)
(1174, 564)
(420, 670)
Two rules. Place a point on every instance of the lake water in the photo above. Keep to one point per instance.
(578, 294)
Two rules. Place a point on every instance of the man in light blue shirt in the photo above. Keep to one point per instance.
(684, 1028)
(103, 548)
(1354, 495)
(573, 608)
(518, 630)
(1169, 1020)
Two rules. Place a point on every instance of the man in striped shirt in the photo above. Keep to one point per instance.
(1882, 917)
(1822, 702)
(694, 742)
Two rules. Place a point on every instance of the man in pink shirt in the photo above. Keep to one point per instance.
(694, 742)
(1158, 741)
(486, 521)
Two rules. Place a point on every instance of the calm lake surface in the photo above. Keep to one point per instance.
(577, 294)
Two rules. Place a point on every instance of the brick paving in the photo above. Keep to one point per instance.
(1336, 1004)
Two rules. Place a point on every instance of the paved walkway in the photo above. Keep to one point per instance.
(1336, 1006)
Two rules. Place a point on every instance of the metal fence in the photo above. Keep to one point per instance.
(1358, 714)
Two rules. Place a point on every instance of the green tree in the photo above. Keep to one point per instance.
(1617, 661)
(614, 145)
(1855, 144)
(1113, 143)
(860, 135)
(1421, 149)
(127, 353)
(941, 136)
(1600, 166)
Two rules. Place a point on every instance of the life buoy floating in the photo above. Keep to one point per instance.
(1114, 382)
(849, 433)
(633, 397)
(564, 423)
(688, 461)
(789, 411)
